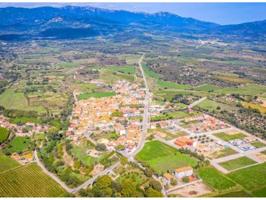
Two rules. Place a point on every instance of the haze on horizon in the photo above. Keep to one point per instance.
(221, 13)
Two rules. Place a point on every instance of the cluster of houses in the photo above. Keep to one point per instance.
(26, 129)
(203, 123)
(119, 113)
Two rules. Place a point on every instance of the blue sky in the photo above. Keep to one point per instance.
(222, 13)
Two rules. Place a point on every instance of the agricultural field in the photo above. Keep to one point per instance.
(162, 158)
(252, 178)
(28, 181)
(215, 179)
(4, 134)
(10, 99)
(237, 163)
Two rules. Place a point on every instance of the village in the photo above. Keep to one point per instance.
(112, 121)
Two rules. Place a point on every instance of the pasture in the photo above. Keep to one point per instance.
(28, 181)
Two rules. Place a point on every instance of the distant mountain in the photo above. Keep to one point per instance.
(78, 22)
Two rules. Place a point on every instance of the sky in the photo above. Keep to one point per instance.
(221, 13)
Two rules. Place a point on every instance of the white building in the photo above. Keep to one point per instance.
(183, 172)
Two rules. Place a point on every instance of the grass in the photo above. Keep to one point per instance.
(240, 193)
(4, 133)
(80, 153)
(211, 105)
(258, 144)
(260, 192)
(161, 157)
(111, 74)
(6, 163)
(251, 178)
(19, 144)
(228, 137)
(215, 179)
(237, 163)
(95, 95)
(28, 181)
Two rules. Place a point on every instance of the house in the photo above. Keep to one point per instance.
(183, 142)
(183, 172)
(167, 178)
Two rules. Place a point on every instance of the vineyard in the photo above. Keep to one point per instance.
(28, 181)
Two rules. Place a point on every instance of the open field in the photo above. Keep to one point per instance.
(28, 181)
(161, 157)
(19, 144)
(215, 179)
(228, 137)
(258, 107)
(237, 163)
(6, 163)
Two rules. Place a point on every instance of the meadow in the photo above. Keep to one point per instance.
(228, 137)
(19, 144)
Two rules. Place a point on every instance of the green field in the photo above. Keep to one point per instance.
(215, 179)
(28, 181)
(228, 137)
(6, 163)
(173, 85)
(222, 153)
(211, 105)
(251, 178)
(19, 144)
(95, 95)
(111, 74)
(4, 133)
(237, 163)
(162, 158)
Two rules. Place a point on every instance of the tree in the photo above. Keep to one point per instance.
(129, 189)
(155, 184)
(185, 179)
(100, 147)
(150, 192)
(148, 172)
(103, 187)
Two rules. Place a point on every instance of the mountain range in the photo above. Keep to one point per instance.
(73, 22)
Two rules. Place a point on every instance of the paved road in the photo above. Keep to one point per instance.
(146, 116)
